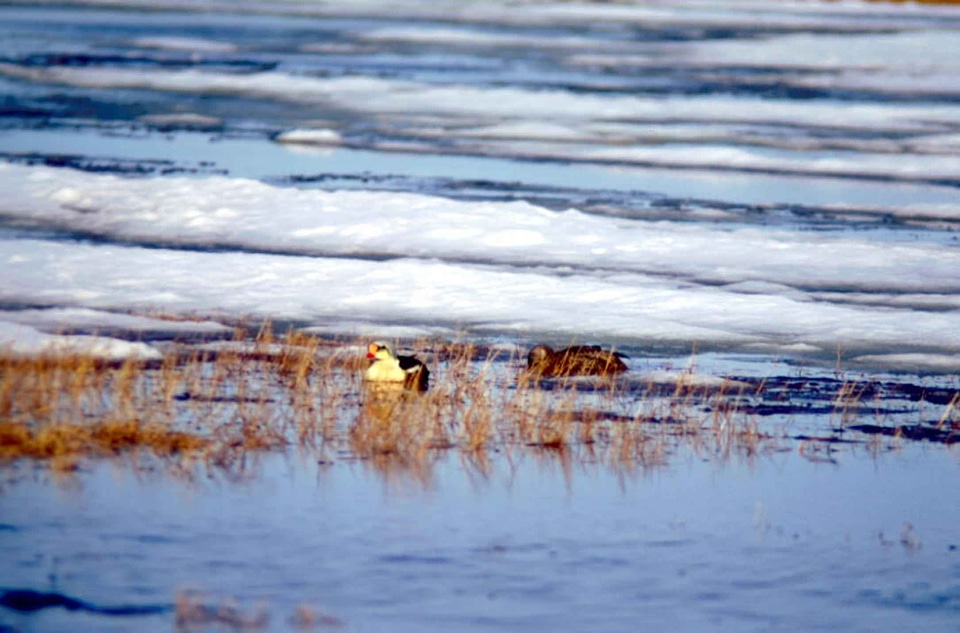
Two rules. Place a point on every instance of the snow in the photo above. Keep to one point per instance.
(191, 119)
(370, 94)
(472, 37)
(249, 215)
(187, 44)
(692, 379)
(891, 63)
(23, 340)
(319, 256)
(55, 320)
(902, 166)
(455, 296)
(529, 130)
(817, 51)
(912, 362)
(311, 136)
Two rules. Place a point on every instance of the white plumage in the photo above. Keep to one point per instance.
(385, 366)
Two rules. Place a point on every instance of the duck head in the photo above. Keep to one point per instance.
(539, 355)
(378, 350)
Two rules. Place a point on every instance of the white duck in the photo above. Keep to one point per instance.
(385, 366)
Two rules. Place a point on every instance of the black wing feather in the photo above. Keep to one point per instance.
(409, 363)
(418, 376)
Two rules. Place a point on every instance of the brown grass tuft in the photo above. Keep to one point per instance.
(62, 440)
(193, 612)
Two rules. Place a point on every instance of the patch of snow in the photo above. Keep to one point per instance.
(386, 331)
(310, 136)
(874, 51)
(22, 340)
(526, 130)
(905, 166)
(189, 119)
(393, 96)
(55, 320)
(912, 362)
(187, 44)
(460, 36)
(690, 379)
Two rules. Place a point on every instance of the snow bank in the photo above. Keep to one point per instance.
(310, 136)
(22, 340)
(248, 215)
(352, 259)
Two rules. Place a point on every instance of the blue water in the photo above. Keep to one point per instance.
(770, 544)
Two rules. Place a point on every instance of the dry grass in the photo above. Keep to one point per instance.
(214, 405)
(194, 612)
(198, 611)
(59, 409)
(211, 405)
(17, 439)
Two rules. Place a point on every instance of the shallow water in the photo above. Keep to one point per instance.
(756, 192)
(774, 543)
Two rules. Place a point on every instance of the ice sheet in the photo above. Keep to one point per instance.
(318, 256)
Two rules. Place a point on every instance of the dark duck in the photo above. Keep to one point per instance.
(577, 360)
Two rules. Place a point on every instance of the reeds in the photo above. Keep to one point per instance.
(216, 404)
(193, 611)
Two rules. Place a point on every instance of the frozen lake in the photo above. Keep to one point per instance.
(762, 191)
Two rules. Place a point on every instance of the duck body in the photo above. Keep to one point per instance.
(577, 360)
(387, 367)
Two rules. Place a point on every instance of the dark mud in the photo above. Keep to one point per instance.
(108, 165)
(29, 601)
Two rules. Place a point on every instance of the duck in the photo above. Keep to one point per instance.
(387, 367)
(577, 360)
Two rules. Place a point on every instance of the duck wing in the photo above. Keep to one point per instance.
(409, 363)
(587, 360)
(418, 376)
(591, 350)
(579, 349)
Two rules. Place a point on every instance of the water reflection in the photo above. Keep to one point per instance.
(545, 536)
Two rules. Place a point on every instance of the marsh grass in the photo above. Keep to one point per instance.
(61, 408)
(216, 405)
(195, 611)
